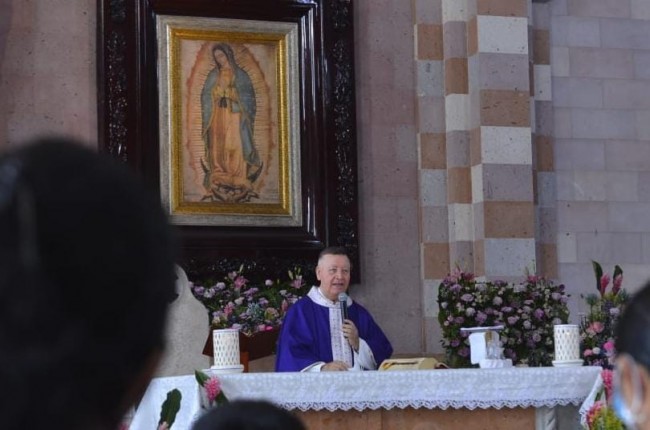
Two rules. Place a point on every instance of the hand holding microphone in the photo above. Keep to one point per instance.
(350, 330)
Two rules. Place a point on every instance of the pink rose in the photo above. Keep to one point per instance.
(240, 281)
(597, 326)
(609, 346)
(587, 353)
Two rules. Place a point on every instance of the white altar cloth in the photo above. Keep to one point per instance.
(536, 387)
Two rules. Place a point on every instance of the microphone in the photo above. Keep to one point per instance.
(343, 302)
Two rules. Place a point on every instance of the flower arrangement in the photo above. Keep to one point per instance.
(597, 327)
(528, 312)
(600, 416)
(236, 302)
(211, 393)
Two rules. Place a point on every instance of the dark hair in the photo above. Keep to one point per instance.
(248, 415)
(228, 52)
(633, 328)
(86, 272)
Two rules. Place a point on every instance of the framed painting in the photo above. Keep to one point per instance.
(229, 135)
(240, 115)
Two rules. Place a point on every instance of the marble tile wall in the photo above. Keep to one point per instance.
(599, 71)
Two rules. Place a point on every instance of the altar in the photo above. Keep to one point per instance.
(467, 399)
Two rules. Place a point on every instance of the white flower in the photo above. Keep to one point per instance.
(595, 350)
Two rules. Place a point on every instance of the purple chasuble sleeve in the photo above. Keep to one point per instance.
(370, 332)
(305, 336)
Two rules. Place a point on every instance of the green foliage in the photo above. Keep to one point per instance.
(170, 408)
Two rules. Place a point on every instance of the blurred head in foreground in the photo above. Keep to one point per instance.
(86, 273)
(248, 415)
(631, 397)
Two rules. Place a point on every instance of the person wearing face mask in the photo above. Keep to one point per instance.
(316, 337)
(631, 387)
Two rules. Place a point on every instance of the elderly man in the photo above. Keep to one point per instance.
(316, 337)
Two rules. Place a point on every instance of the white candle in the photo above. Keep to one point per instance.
(226, 348)
(567, 342)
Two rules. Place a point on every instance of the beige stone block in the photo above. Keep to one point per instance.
(544, 154)
(456, 76)
(502, 7)
(461, 253)
(541, 47)
(505, 108)
(433, 151)
(547, 260)
(472, 37)
(513, 220)
(428, 42)
(436, 260)
(459, 185)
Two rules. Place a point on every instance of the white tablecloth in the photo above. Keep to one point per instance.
(453, 388)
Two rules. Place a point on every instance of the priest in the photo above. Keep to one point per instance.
(316, 334)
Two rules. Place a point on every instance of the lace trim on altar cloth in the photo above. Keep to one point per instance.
(441, 389)
(539, 387)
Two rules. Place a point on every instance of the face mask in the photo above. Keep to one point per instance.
(628, 415)
(621, 410)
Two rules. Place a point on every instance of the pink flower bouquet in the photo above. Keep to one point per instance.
(251, 307)
(598, 325)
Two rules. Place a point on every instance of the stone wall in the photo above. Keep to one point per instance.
(494, 134)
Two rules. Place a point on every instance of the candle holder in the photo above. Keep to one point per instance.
(566, 339)
(225, 343)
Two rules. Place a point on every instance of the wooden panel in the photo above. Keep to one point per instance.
(129, 124)
(421, 419)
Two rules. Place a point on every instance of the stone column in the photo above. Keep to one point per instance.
(500, 138)
(543, 142)
(457, 127)
(434, 240)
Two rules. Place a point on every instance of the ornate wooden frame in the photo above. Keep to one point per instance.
(129, 125)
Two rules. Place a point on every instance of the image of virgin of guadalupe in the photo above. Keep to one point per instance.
(231, 163)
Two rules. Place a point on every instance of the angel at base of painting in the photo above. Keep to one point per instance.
(231, 163)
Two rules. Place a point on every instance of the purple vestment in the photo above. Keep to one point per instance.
(305, 335)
